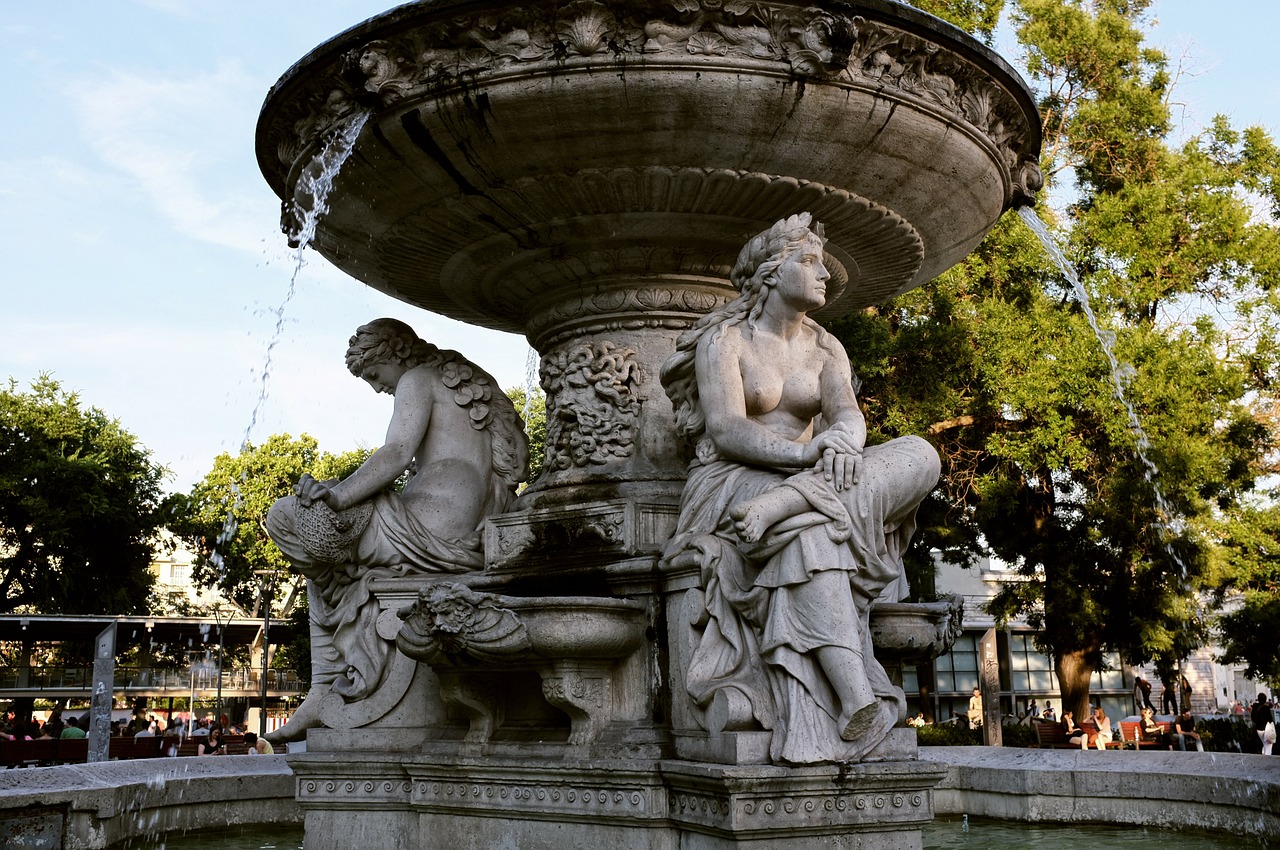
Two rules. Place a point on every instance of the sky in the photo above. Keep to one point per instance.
(142, 262)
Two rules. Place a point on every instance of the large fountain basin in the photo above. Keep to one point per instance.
(532, 155)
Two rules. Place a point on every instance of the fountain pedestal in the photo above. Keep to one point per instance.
(585, 174)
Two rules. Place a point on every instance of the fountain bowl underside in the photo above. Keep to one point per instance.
(521, 159)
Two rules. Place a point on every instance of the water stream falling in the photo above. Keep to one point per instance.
(1168, 523)
(310, 203)
(531, 386)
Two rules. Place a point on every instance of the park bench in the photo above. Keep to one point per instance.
(1131, 737)
(235, 745)
(76, 750)
(1049, 736)
(27, 753)
(146, 747)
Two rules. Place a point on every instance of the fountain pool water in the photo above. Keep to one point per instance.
(945, 833)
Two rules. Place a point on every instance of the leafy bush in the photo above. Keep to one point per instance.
(948, 735)
(1228, 735)
(1018, 735)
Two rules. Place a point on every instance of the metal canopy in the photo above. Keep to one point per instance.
(137, 630)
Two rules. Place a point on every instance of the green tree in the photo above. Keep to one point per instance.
(79, 499)
(997, 362)
(1249, 590)
(222, 517)
(534, 413)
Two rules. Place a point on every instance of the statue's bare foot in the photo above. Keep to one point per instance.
(749, 521)
(854, 727)
(306, 717)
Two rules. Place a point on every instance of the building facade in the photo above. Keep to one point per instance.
(1026, 674)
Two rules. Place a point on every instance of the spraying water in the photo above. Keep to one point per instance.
(1168, 523)
(310, 203)
(531, 384)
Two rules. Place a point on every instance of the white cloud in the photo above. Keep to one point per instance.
(178, 138)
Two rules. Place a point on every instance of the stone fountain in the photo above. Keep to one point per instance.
(585, 174)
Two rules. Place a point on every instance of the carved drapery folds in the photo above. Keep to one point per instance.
(591, 404)
(810, 41)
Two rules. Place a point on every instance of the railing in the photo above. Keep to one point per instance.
(179, 681)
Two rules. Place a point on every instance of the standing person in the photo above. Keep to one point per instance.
(1185, 687)
(1141, 695)
(1264, 723)
(1048, 713)
(1169, 696)
(975, 709)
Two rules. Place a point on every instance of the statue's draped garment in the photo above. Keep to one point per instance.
(348, 653)
(791, 593)
(806, 584)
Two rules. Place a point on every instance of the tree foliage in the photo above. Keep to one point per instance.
(79, 506)
(534, 413)
(1178, 250)
(1249, 585)
(222, 517)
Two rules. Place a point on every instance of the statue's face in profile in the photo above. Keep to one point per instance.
(383, 377)
(801, 280)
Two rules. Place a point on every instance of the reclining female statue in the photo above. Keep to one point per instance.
(464, 447)
(796, 525)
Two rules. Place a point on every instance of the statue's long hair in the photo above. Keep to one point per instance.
(489, 409)
(754, 275)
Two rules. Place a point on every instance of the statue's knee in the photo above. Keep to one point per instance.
(280, 515)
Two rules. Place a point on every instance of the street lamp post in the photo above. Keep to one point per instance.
(217, 617)
(268, 586)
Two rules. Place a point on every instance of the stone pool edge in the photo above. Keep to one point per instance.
(1221, 792)
(104, 804)
(109, 802)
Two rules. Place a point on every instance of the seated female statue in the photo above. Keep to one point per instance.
(796, 524)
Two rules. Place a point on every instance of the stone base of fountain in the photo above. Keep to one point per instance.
(532, 722)
(431, 799)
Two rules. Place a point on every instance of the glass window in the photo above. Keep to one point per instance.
(910, 682)
(1112, 679)
(1031, 671)
(958, 670)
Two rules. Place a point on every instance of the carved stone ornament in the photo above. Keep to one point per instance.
(916, 632)
(451, 622)
(591, 404)
(807, 41)
(452, 625)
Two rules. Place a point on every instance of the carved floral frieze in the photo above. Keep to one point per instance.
(637, 302)
(811, 42)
